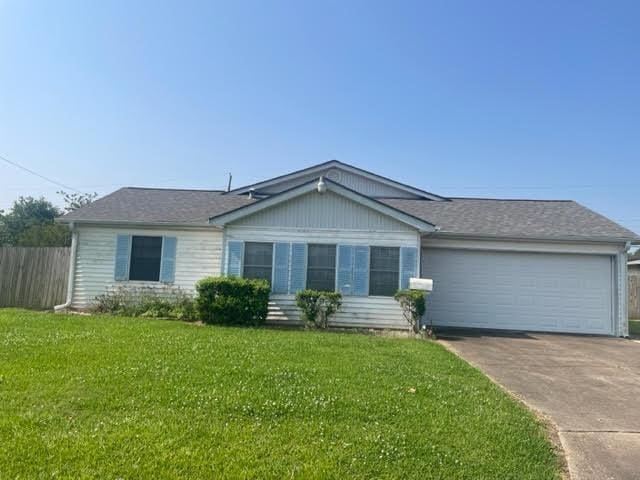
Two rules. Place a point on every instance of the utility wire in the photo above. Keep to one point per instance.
(38, 175)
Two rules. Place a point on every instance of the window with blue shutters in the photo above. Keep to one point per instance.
(145, 258)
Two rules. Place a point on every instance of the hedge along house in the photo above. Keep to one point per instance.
(510, 264)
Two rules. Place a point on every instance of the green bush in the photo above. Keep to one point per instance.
(233, 301)
(154, 302)
(317, 306)
(413, 306)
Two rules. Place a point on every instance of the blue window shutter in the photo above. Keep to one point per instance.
(361, 271)
(168, 262)
(123, 251)
(235, 252)
(345, 269)
(281, 268)
(408, 265)
(298, 271)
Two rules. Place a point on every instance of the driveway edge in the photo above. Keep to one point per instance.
(549, 425)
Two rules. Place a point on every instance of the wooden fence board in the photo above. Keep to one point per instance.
(33, 277)
(634, 297)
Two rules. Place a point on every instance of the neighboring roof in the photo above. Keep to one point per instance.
(157, 205)
(514, 218)
(345, 166)
(372, 203)
(634, 262)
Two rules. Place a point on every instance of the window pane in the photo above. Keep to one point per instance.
(321, 267)
(258, 257)
(384, 274)
(322, 256)
(145, 258)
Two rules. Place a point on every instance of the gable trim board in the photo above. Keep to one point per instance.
(320, 169)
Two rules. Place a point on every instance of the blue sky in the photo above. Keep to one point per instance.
(479, 98)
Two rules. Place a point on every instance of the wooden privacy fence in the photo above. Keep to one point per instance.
(634, 297)
(33, 277)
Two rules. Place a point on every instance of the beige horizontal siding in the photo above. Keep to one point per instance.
(198, 255)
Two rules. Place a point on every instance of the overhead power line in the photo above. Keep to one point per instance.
(38, 175)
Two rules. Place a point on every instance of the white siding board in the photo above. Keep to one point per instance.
(361, 312)
(328, 210)
(198, 255)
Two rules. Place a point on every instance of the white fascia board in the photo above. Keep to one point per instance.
(522, 245)
(154, 225)
(225, 218)
(335, 163)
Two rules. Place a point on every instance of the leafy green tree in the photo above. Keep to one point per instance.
(27, 212)
(45, 235)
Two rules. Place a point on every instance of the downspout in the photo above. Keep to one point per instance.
(72, 270)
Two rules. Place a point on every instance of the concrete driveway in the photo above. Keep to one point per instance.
(588, 386)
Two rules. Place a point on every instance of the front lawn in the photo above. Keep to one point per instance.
(634, 328)
(106, 397)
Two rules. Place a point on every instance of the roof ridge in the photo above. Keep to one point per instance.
(514, 199)
(173, 189)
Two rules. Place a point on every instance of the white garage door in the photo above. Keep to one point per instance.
(520, 291)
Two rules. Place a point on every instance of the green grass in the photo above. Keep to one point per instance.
(634, 328)
(104, 397)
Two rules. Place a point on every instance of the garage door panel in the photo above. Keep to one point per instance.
(532, 291)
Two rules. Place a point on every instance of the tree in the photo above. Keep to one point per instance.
(74, 201)
(45, 235)
(27, 212)
(30, 221)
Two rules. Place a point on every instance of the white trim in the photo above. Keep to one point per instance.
(622, 319)
(321, 168)
(139, 224)
(229, 217)
(523, 246)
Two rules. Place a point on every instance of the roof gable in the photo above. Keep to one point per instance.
(321, 203)
(362, 181)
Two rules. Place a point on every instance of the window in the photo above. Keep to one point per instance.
(258, 260)
(384, 271)
(321, 267)
(145, 258)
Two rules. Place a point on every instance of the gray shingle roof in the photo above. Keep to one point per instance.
(464, 216)
(514, 218)
(132, 204)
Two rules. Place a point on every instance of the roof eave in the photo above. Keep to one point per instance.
(137, 223)
(543, 238)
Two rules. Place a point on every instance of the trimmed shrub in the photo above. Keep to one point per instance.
(318, 306)
(153, 302)
(413, 307)
(233, 301)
